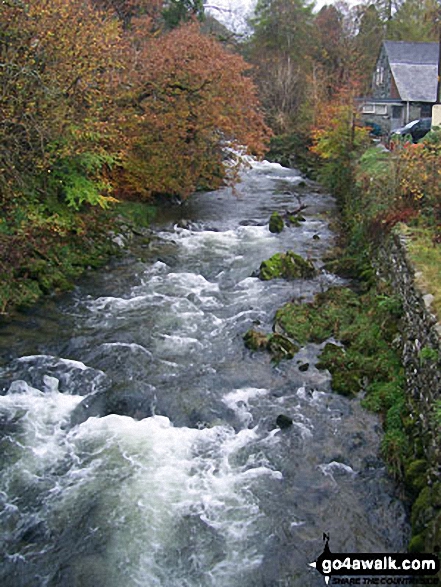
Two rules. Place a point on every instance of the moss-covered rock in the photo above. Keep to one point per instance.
(287, 265)
(294, 220)
(278, 345)
(281, 347)
(346, 377)
(422, 511)
(276, 223)
(255, 341)
(324, 317)
(415, 476)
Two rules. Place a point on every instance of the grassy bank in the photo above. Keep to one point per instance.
(42, 254)
(387, 189)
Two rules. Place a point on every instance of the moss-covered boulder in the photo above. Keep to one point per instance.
(276, 223)
(326, 316)
(255, 341)
(415, 476)
(280, 347)
(287, 265)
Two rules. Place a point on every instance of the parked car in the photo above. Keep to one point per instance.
(417, 129)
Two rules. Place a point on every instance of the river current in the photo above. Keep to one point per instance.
(138, 439)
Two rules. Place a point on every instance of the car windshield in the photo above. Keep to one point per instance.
(410, 125)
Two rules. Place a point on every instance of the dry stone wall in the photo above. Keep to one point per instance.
(421, 354)
(421, 344)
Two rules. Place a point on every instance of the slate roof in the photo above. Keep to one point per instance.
(414, 67)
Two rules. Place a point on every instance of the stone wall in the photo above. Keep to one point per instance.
(421, 341)
(421, 351)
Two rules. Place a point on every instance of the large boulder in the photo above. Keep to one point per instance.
(287, 265)
(276, 223)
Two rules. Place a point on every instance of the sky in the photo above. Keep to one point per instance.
(233, 13)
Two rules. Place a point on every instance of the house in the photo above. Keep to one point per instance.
(404, 84)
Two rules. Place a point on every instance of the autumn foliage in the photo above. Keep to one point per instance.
(104, 100)
(191, 100)
(98, 98)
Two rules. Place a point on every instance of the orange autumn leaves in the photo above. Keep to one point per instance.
(156, 108)
(192, 99)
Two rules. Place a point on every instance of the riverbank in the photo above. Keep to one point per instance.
(42, 255)
(390, 206)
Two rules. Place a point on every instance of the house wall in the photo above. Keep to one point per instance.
(385, 96)
(382, 78)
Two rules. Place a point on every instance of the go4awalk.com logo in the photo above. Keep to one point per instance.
(377, 569)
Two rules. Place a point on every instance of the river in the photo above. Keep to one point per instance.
(139, 444)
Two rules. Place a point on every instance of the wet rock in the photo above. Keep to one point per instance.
(287, 265)
(183, 223)
(136, 404)
(276, 223)
(281, 347)
(283, 421)
(255, 341)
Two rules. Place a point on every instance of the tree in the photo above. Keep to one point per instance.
(413, 21)
(176, 12)
(126, 10)
(280, 48)
(192, 100)
(330, 47)
(368, 41)
(60, 63)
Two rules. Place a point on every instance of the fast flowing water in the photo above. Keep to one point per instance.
(139, 444)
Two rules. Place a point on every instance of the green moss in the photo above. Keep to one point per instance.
(318, 321)
(287, 265)
(422, 511)
(281, 347)
(294, 221)
(255, 341)
(278, 345)
(415, 475)
(417, 544)
(276, 223)
(346, 377)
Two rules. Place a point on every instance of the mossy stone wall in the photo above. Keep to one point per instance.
(421, 354)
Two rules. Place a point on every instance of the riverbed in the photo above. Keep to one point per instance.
(139, 444)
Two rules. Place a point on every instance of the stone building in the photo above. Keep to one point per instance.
(403, 85)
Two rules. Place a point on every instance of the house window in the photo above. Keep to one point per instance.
(379, 76)
(397, 111)
(426, 111)
(381, 109)
(368, 109)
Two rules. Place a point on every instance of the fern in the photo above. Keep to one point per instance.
(79, 180)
